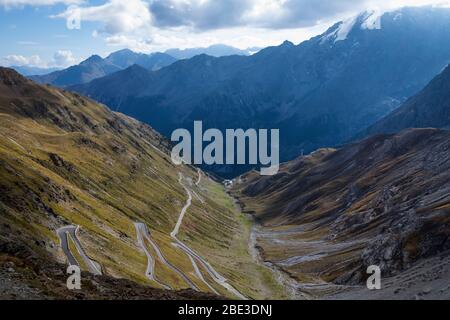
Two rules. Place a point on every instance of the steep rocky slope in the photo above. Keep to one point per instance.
(326, 217)
(66, 160)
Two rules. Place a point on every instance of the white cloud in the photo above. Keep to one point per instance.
(146, 24)
(190, 23)
(19, 60)
(125, 16)
(243, 38)
(63, 58)
(270, 14)
(117, 16)
(135, 44)
(150, 25)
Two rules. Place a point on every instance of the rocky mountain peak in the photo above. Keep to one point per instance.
(93, 59)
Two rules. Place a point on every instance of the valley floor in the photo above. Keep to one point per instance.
(428, 279)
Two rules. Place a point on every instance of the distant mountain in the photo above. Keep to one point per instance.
(97, 67)
(384, 201)
(29, 71)
(429, 108)
(319, 93)
(217, 50)
(126, 58)
(92, 68)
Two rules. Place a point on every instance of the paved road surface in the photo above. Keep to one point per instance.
(142, 231)
(192, 254)
(63, 234)
(199, 177)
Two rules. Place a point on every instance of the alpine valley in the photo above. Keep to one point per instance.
(86, 177)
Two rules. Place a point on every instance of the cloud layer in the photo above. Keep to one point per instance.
(155, 25)
(117, 16)
(19, 60)
(200, 15)
(258, 13)
(61, 58)
(143, 24)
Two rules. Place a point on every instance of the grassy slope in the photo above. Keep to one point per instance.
(67, 160)
(220, 232)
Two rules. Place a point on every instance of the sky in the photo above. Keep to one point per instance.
(59, 33)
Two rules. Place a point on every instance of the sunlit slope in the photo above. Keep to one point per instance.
(66, 160)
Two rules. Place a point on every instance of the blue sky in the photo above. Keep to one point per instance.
(34, 32)
(29, 31)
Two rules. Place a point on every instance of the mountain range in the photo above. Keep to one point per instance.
(33, 71)
(68, 162)
(383, 200)
(217, 50)
(319, 93)
(96, 67)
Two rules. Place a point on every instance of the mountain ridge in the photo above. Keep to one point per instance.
(318, 93)
(33, 71)
(96, 67)
(384, 201)
(217, 50)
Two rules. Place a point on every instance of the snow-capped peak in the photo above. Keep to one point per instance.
(342, 30)
(369, 20)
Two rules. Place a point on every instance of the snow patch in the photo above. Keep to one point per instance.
(372, 20)
(342, 31)
(369, 20)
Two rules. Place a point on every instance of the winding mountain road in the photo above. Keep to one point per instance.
(196, 269)
(199, 177)
(63, 234)
(192, 254)
(142, 232)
